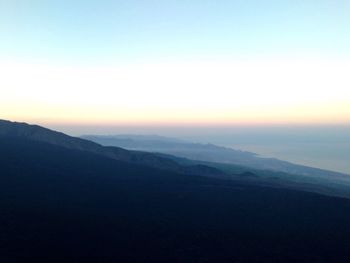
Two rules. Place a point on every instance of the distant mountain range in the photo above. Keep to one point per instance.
(65, 199)
(202, 159)
(37, 133)
(205, 152)
(268, 171)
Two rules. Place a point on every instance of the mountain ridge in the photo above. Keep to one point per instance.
(38, 133)
(67, 205)
(210, 153)
(327, 185)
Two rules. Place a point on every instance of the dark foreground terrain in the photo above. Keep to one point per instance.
(64, 205)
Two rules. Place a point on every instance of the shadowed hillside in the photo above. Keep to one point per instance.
(41, 134)
(65, 205)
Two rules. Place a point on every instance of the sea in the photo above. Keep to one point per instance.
(321, 146)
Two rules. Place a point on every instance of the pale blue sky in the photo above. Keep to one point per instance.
(194, 61)
(109, 63)
(125, 31)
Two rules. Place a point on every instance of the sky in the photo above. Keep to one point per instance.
(167, 62)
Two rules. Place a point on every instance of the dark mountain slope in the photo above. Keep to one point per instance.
(327, 185)
(267, 171)
(64, 205)
(331, 185)
(208, 153)
(41, 134)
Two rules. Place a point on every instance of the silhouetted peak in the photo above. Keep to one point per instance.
(38, 133)
(41, 134)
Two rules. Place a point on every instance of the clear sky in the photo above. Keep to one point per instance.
(195, 61)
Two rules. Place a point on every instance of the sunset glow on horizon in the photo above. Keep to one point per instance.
(288, 63)
(280, 91)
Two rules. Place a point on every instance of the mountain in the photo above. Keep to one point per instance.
(267, 171)
(330, 185)
(333, 184)
(64, 204)
(325, 184)
(206, 152)
(41, 134)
